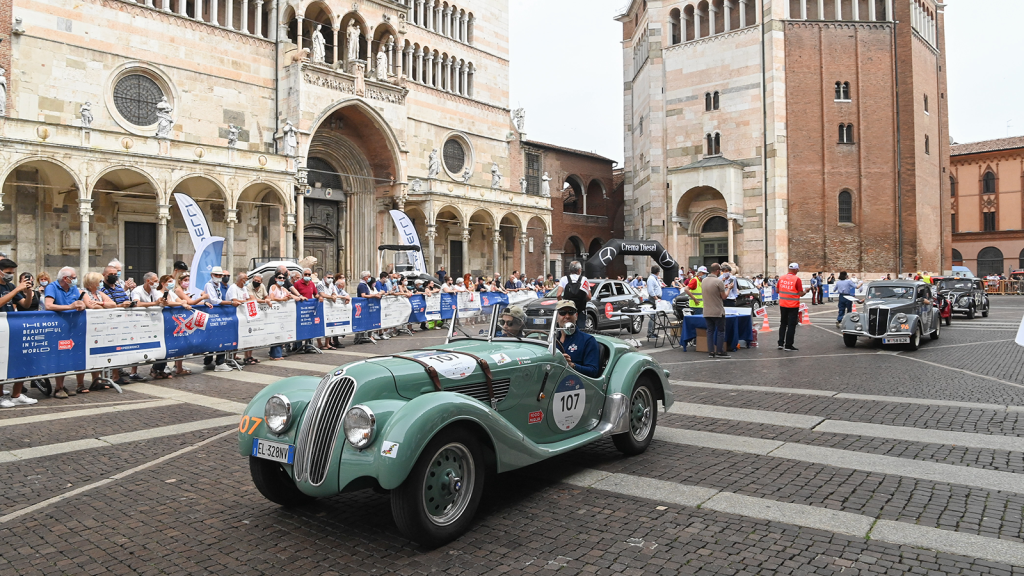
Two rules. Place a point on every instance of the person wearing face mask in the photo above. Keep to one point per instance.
(13, 298)
(64, 296)
(178, 293)
(278, 293)
(325, 288)
(580, 349)
(257, 288)
(126, 284)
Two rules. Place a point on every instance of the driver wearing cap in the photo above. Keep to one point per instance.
(579, 348)
(513, 320)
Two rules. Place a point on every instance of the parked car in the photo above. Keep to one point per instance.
(749, 297)
(898, 312)
(268, 268)
(604, 311)
(967, 295)
(431, 425)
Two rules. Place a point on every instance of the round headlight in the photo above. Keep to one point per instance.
(278, 413)
(359, 423)
(901, 318)
(855, 317)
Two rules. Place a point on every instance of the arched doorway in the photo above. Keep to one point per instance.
(573, 250)
(260, 230)
(131, 195)
(449, 244)
(351, 170)
(702, 231)
(714, 241)
(573, 200)
(33, 192)
(990, 261)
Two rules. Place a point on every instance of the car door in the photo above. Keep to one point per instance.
(979, 294)
(604, 301)
(571, 403)
(924, 310)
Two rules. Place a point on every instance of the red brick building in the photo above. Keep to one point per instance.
(771, 131)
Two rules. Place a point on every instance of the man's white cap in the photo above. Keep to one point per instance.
(794, 266)
(217, 270)
(702, 269)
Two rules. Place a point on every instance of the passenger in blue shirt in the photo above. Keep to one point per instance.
(845, 287)
(579, 348)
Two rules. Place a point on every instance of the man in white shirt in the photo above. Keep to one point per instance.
(143, 296)
(215, 294)
(653, 295)
(238, 294)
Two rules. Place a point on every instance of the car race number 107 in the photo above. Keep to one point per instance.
(568, 402)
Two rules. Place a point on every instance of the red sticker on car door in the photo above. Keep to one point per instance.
(536, 417)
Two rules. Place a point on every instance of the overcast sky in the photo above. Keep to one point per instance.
(566, 70)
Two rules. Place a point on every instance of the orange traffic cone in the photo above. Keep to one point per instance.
(854, 309)
(805, 316)
(765, 327)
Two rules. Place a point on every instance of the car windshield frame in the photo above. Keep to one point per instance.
(944, 284)
(908, 293)
(458, 331)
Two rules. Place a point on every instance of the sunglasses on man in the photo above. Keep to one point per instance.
(566, 312)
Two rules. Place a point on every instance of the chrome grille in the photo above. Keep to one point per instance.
(479, 390)
(878, 321)
(321, 428)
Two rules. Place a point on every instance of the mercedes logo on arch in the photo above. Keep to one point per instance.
(665, 260)
(607, 255)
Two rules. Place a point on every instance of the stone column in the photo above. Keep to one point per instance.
(465, 252)
(407, 62)
(431, 235)
(231, 218)
(182, 7)
(258, 27)
(245, 16)
(214, 10)
(803, 9)
(464, 34)
(334, 48)
(712, 11)
(821, 9)
(289, 228)
(472, 72)
(465, 74)
(163, 216)
(496, 240)
(429, 16)
(445, 83)
(732, 248)
(275, 18)
(839, 10)
(419, 13)
(523, 240)
(743, 13)
(437, 17)
(727, 11)
(428, 71)
(547, 254)
(696, 23)
(856, 10)
(229, 14)
(300, 223)
(469, 30)
(446, 21)
(419, 66)
(871, 11)
(392, 64)
(84, 213)
(298, 32)
(457, 79)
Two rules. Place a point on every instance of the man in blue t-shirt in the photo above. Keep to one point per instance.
(62, 296)
(579, 348)
(845, 287)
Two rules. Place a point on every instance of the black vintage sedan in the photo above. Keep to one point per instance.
(749, 297)
(604, 311)
(967, 295)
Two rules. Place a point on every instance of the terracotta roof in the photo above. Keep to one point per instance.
(987, 146)
(564, 149)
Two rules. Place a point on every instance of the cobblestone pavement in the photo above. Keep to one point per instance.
(870, 460)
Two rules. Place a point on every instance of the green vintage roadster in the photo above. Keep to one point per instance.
(429, 425)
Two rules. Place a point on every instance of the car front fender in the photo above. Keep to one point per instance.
(298, 389)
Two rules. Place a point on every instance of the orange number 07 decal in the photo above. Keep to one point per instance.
(246, 421)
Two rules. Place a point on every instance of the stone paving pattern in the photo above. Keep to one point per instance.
(200, 514)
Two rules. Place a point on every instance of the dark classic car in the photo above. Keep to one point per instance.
(897, 312)
(749, 297)
(967, 295)
(609, 297)
(431, 426)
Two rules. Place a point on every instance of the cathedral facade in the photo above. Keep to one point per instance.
(295, 125)
(768, 131)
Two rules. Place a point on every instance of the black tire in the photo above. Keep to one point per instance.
(451, 455)
(850, 340)
(636, 323)
(949, 319)
(935, 333)
(970, 312)
(984, 313)
(43, 385)
(643, 419)
(275, 484)
(915, 339)
(590, 324)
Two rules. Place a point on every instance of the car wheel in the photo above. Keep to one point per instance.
(915, 339)
(970, 313)
(275, 484)
(850, 340)
(636, 323)
(439, 498)
(984, 313)
(935, 333)
(590, 324)
(949, 319)
(643, 418)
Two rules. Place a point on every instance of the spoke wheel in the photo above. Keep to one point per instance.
(438, 499)
(448, 484)
(643, 419)
(636, 324)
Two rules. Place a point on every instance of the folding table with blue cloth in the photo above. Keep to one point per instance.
(737, 327)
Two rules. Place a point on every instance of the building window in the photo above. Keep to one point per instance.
(846, 133)
(990, 261)
(532, 173)
(927, 145)
(1020, 259)
(958, 259)
(677, 29)
(926, 104)
(952, 187)
(136, 97)
(843, 91)
(454, 156)
(707, 102)
(988, 183)
(845, 207)
(990, 221)
(714, 144)
(715, 100)
(715, 224)
(952, 222)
